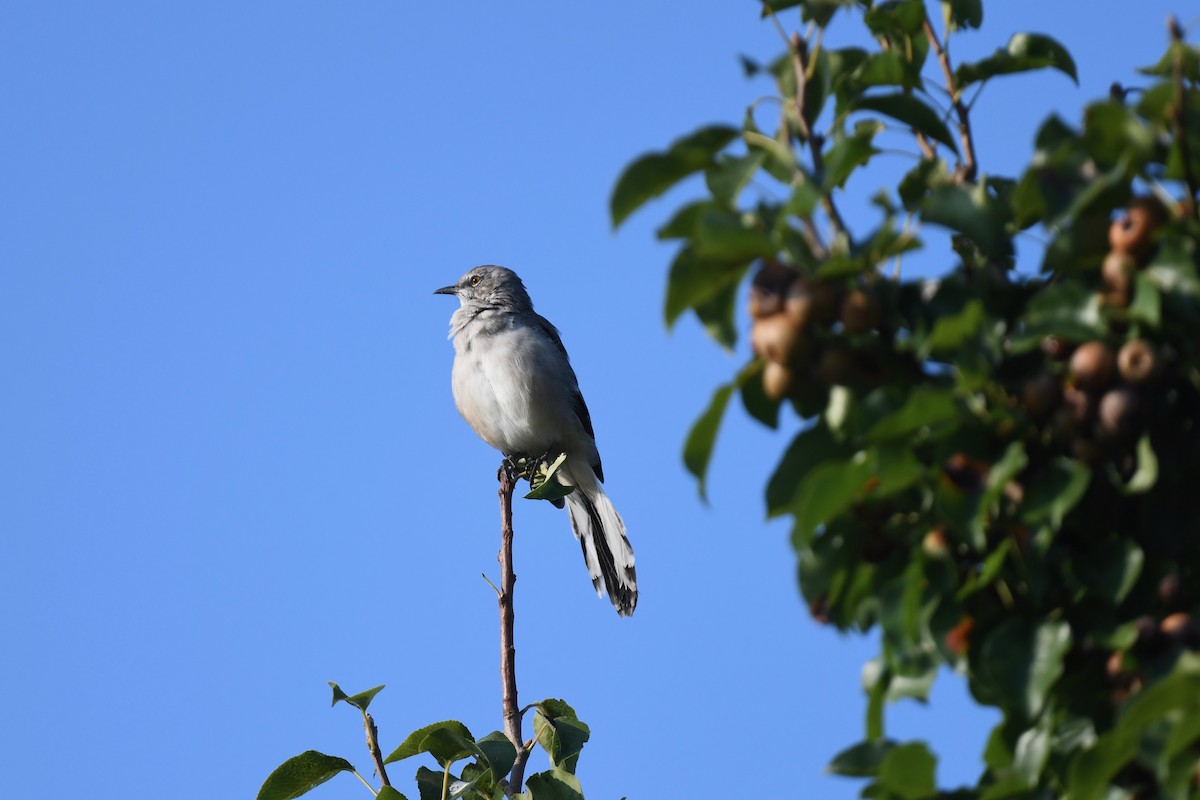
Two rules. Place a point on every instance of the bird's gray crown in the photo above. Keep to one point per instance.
(490, 287)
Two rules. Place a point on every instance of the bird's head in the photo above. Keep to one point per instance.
(490, 286)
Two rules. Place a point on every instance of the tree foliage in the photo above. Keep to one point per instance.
(996, 470)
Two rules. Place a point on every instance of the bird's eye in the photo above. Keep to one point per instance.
(475, 279)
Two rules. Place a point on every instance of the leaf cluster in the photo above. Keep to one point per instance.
(985, 473)
(488, 759)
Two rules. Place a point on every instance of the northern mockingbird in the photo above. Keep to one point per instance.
(514, 385)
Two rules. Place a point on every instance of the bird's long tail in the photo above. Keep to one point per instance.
(606, 548)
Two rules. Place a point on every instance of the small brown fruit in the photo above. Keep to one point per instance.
(966, 472)
(778, 380)
(836, 366)
(768, 287)
(1054, 347)
(1182, 628)
(1114, 668)
(1117, 271)
(1137, 362)
(934, 544)
(1170, 588)
(958, 640)
(798, 304)
(1119, 413)
(1093, 366)
(824, 302)
(776, 338)
(1041, 394)
(860, 312)
(1133, 231)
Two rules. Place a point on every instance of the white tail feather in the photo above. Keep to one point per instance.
(601, 533)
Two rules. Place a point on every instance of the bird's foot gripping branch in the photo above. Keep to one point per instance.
(996, 468)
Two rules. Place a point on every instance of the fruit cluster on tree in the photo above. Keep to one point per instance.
(995, 470)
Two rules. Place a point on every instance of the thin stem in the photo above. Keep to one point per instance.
(373, 747)
(508, 650)
(365, 783)
(797, 48)
(1185, 155)
(968, 169)
(446, 782)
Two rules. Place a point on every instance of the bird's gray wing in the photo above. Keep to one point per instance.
(580, 407)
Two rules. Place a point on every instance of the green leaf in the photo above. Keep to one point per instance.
(754, 397)
(1025, 51)
(499, 754)
(1114, 135)
(972, 212)
(300, 774)
(1021, 662)
(718, 312)
(961, 15)
(542, 483)
(359, 701)
(553, 784)
(429, 783)
(912, 112)
(1054, 491)
(1146, 476)
(896, 17)
(697, 451)
(827, 491)
(654, 173)
(731, 236)
(988, 571)
(926, 407)
(728, 177)
(862, 760)
(685, 221)
(447, 742)
(560, 733)
(780, 160)
(1091, 771)
(1110, 570)
(951, 332)
(1146, 307)
(695, 279)
(388, 793)
(1067, 310)
(811, 447)
(847, 153)
(908, 771)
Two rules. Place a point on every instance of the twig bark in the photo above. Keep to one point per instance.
(968, 169)
(373, 746)
(508, 650)
(1185, 154)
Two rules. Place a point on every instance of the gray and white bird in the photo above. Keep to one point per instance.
(514, 385)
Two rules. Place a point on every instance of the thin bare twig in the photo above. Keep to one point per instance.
(969, 168)
(1185, 154)
(798, 49)
(508, 650)
(373, 747)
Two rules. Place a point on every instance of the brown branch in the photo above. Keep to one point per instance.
(508, 650)
(373, 746)
(968, 169)
(798, 49)
(1185, 154)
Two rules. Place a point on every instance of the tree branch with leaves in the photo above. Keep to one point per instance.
(993, 470)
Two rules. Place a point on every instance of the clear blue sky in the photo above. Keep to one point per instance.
(230, 465)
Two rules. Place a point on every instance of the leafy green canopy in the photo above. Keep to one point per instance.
(997, 472)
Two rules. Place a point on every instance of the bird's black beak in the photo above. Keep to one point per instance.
(446, 290)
